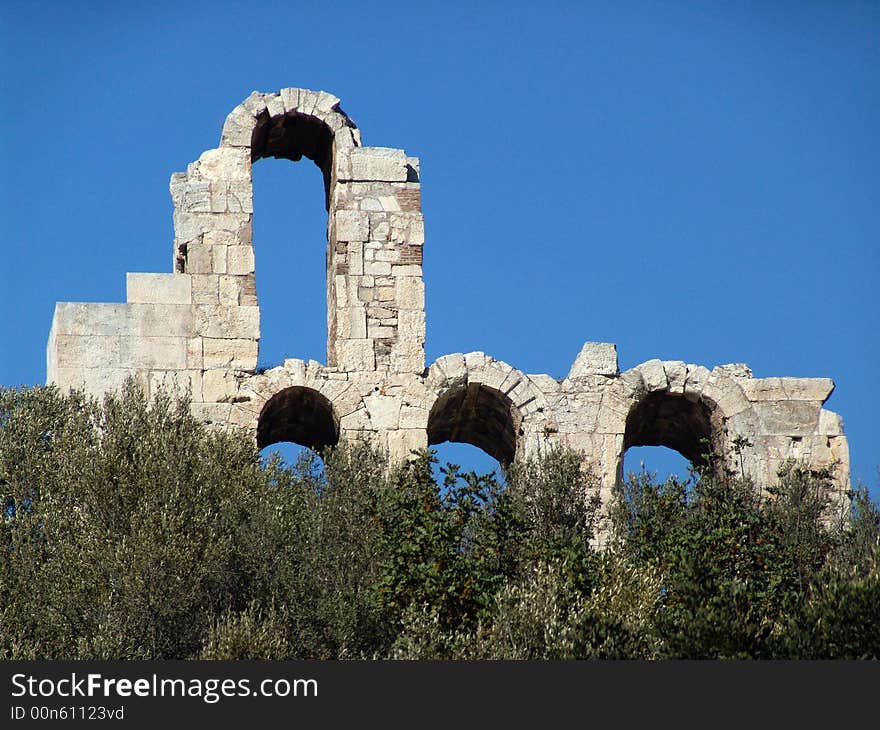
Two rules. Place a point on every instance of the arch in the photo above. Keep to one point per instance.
(301, 415)
(291, 124)
(662, 418)
(479, 415)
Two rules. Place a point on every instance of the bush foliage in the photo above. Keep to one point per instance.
(130, 532)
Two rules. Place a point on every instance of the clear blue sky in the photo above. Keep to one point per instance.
(694, 181)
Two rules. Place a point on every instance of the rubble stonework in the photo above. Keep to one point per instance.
(198, 329)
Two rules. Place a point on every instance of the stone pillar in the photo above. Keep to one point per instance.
(375, 257)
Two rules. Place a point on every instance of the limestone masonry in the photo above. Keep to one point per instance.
(199, 329)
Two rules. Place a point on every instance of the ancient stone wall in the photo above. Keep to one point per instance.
(198, 329)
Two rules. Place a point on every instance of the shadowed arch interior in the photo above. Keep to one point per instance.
(300, 415)
(663, 419)
(476, 415)
(293, 136)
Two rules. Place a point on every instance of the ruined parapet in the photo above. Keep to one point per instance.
(198, 329)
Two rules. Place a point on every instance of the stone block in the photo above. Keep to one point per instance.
(352, 225)
(87, 351)
(402, 270)
(229, 290)
(161, 320)
(410, 292)
(153, 353)
(98, 381)
(595, 358)
(218, 386)
(413, 417)
(75, 318)
(239, 196)
(225, 163)
(158, 288)
(240, 260)
(734, 370)
(654, 375)
(411, 324)
(787, 418)
(238, 354)
(384, 411)
(830, 423)
(377, 268)
(353, 355)
(194, 359)
(212, 414)
(325, 104)
(205, 289)
(355, 258)
(407, 356)
(676, 374)
(351, 323)
(275, 106)
(358, 420)
(545, 383)
(227, 322)
(381, 332)
(189, 226)
(176, 383)
(726, 394)
(407, 228)
(378, 163)
(696, 378)
(290, 99)
(199, 258)
(402, 444)
(448, 370)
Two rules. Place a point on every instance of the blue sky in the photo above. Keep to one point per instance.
(694, 181)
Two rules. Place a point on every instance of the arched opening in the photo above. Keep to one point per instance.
(476, 415)
(293, 136)
(671, 421)
(290, 260)
(301, 416)
(290, 236)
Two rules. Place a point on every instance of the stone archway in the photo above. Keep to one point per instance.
(478, 415)
(673, 421)
(300, 415)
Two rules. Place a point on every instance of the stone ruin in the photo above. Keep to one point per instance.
(198, 329)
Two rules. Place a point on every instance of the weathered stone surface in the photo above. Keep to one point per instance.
(227, 322)
(160, 353)
(811, 389)
(74, 318)
(239, 260)
(355, 355)
(595, 358)
(734, 370)
(352, 225)
(410, 293)
(199, 328)
(379, 164)
(676, 374)
(158, 288)
(235, 354)
(176, 383)
(695, 379)
(654, 375)
(218, 386)
(830, 423)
